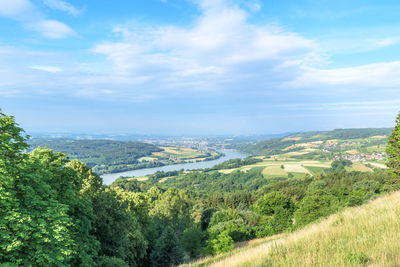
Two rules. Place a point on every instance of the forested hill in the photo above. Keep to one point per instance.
(272, 145)
(101, 155)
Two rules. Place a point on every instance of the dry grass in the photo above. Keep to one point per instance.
(291, 139)
(273, 170)
(173, 150)
(363, 236)
(352, 152)
(296, 153)
(360, 167)
(295, 168)
(378, 165)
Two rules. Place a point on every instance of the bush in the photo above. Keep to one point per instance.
(221, 244)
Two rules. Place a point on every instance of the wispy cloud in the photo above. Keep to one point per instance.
(53, 29)
(16, 9)
(377, 75)
(62, 6)
(47, 68)
(30, 17)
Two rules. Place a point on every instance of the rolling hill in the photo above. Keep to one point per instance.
(358, 236)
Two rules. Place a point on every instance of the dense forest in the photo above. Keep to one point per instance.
(104, 156)
(55, 211)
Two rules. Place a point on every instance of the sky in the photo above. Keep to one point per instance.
(199, 67)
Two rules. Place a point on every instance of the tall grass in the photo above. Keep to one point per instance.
(368, 235)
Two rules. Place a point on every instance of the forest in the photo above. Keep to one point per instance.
(104, 156)
(55, 211)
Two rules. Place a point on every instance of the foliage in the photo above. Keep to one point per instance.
(117, 229)
(167, 250)
(340, 164)
(105, 261)
(393, 150)
(192, 241)
(222, 243)
(316, 204)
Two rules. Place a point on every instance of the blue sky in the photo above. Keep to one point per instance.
(199, 66)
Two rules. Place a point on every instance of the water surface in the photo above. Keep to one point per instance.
(229, 154)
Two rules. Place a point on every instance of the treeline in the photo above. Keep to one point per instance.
(104, 156)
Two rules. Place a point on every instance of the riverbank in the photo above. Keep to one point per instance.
(155, 164)
(227, 155)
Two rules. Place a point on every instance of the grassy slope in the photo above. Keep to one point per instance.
(362, 236)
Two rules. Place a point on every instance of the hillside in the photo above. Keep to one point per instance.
(354, 237)
(102, 155)
(322, 145)
(110, 156)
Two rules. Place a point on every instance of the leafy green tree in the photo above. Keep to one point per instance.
(340, 164)
(271, 202)
(393, 151)
(91, 182)
(117, 229)
(316, 204)
(168, 250)
(35, 228)
(173, 208)
(221, 244)
(192, 241)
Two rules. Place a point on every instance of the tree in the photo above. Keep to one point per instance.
(393, 150)
(117, 229)
(167, 250)
(340, 164)
(35, 228)
(66, 188)
(269, 203)
(173, 208)
(221, 244)
(192, 241)
(316, 204)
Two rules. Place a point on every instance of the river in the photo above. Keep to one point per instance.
(229, 154)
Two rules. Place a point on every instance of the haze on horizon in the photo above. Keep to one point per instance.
(199, 66)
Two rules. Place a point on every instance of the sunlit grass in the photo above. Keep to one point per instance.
(362, 236)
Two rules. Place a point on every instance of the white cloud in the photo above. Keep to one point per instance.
(379, 75)
(53, 29)
(47, 68)
(30, 17)
(221, 50)
(15, 9)
(62, 6)
(386, 42)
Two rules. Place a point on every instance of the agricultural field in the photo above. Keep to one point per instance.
(283, 166)
(180, 155)
(288, 167)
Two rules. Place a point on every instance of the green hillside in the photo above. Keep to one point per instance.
(360, 236)
(321, 145)
(102, 155)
